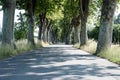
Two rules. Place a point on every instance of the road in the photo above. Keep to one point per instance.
(58, 62)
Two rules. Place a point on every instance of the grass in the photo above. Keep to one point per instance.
(112, 54)
(22, 46)
(89, 47)
(6, 51)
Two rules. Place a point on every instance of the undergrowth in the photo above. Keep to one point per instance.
(112, 54)
(21, 47)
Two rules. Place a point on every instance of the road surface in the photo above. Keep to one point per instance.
(58, 62)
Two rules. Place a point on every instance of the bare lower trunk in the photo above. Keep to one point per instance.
(83, 32)
(40, 32)
(31, 31)
(76, 34)
(44, 38)
(42, 20)
(30, 23)
(8, 22)
(105, 32)
(84, 12)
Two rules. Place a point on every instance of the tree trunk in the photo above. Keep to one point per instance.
(8, 22)
(40, 28)
(44, 37)
(42, 20)
(84, 12)
(30, 23)
(68, 34)
(76, 34)
(83, 32)
(48, 31)
(40, 32)
(106, 23)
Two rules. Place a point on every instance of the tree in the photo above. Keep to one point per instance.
(76, 24)
(8, 21)
(29, 7)
(30, 11)
(106, 23)
(46, 10)
(84, 12)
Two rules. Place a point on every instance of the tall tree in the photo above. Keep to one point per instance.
(76, 24)
(31, 10)
(106, 23)
(29, 6)
(84, 12)
(8, 21)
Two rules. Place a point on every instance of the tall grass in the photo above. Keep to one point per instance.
(6, 51)
(89, 47)
(112, 54)
(22, 46)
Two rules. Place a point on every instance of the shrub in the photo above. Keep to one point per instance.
(94, 33)
(116, 33)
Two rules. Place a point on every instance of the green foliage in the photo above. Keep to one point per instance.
(93, 34)
(20, 29)
(116, 33)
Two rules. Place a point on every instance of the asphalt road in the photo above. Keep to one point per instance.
(58, 62)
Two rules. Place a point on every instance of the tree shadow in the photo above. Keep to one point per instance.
(53, 64)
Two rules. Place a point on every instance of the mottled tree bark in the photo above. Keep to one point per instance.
(76, 34)
(83, 31)
(30, 23)
(42, 20)
(40, 30)
(76, 23)
(44, 37)
(8, 22)
(48, 31)
(106, 23)
(84, 12)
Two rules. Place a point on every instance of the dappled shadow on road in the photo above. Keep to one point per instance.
(53, 64)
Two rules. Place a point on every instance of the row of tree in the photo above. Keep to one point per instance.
(78, 19)
(63, 18)
(35, 10)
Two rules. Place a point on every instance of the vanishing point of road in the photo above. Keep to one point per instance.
(58, 62)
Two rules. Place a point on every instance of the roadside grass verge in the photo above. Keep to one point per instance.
(89, 47)
(22, 47)
(112, 54)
